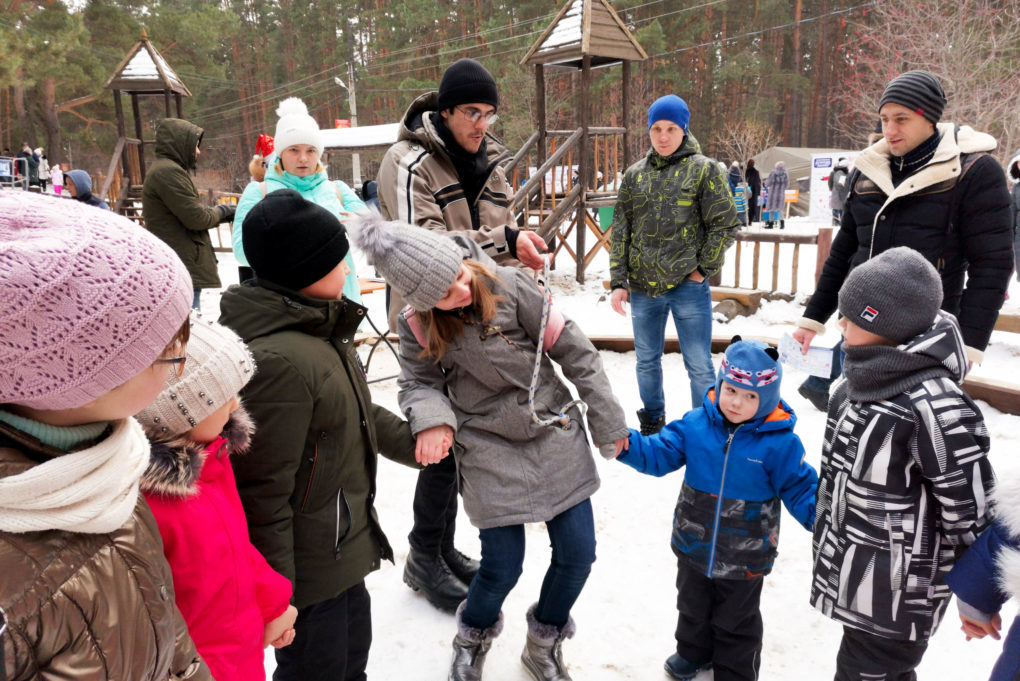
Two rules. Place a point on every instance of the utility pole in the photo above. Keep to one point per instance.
(353, 100)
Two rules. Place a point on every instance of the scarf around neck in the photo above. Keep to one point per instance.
(879, 372)
(92, 491)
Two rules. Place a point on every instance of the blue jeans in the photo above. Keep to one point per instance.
(197, 300)
(572, 535)
(691, 306)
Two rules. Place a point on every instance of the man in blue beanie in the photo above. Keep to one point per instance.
(674, 219)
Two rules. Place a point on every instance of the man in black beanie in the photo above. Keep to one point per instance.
(933, 187)
(444, 174)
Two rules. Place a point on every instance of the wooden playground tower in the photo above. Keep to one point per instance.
(142, 73)
(575, 172)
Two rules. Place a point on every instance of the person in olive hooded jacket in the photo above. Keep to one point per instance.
(308, 482)
(172, 208)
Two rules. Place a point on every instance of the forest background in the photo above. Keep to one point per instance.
(754, 72)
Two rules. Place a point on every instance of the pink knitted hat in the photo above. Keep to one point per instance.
(87, 300)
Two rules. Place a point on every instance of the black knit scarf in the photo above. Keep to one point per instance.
(904, 166)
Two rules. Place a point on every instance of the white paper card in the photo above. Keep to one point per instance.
(817, 361)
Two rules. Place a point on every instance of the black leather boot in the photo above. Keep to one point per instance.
(431, 576)
(782, 224)
(543, 653)
(650, 426)
(470, 646)
(462, 567)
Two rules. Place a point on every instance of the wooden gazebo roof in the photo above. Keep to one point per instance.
(145, 70)
(583, 28)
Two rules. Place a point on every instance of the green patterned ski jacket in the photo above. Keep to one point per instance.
(674, 214)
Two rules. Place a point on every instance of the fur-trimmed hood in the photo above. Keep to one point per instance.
(1013, 167)
(175, 465)
(873, 162)
(1007, 515)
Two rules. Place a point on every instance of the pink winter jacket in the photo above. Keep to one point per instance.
(224, 587)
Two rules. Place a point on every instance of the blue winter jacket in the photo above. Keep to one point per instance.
(988, 574)
(726, 521)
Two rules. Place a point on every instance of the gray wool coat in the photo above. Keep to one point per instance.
(512, 470)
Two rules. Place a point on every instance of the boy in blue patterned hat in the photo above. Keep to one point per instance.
(742, 457)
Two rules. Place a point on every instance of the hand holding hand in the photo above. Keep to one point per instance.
(433, 444)
(976, 629)
(617, 298)
(280, 632)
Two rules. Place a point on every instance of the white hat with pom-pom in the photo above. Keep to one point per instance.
(296, 126)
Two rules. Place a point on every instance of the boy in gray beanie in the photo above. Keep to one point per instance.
(904, 474)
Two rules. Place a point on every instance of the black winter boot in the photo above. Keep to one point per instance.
(430, 575)
(769, 224)
(650, 426)
(462, 567)
(543, 653)
(782, 224)
(470, 646)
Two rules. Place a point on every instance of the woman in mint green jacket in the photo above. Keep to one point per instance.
(295, 165)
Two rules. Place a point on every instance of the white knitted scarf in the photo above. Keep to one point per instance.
(92, 491)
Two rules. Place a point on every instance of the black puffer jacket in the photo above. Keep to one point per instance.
(954, 211)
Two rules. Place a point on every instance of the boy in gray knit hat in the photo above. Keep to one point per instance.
(904, 474)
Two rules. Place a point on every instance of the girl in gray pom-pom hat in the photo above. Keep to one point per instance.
(468, 343)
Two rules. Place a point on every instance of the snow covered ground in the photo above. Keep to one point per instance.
(626, 614)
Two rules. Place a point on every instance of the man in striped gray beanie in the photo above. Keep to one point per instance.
(919, 91)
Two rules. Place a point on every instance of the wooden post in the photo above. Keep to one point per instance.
(775, 267)
(736, 268)
(121, 129)
(626, 112)
(754, 268)
(582, 162)
(796, 265)
(540, 149)
(138, 133)
(824, 245)
(180, 109)
(166, 104)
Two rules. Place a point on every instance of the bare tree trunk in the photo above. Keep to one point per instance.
(24, 115)
(54, 143)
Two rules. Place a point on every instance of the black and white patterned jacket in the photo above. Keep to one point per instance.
(902, 490)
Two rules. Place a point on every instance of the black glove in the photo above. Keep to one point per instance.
(227, 211)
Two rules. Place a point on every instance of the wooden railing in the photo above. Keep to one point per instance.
(215, 198)
(551, 187)
(125, 170)
(823, 240)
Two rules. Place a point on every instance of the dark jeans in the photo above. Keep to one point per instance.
(719, 622)
(819, 384)
(866, 657)
(332, 640)
(196, 302)
(753, 209)
(435, 508)
(572, 535)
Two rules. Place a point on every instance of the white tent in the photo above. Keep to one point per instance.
(798, 164)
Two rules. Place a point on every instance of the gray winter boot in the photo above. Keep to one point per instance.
(470, 646)
(543, 654)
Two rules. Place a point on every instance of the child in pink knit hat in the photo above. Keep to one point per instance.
(94, 317)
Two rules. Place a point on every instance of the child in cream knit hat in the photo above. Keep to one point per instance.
(233, 602)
